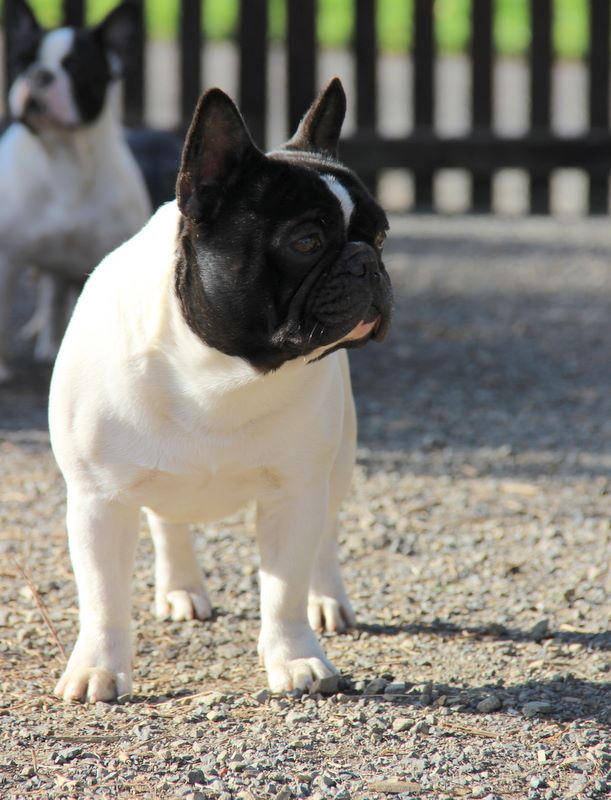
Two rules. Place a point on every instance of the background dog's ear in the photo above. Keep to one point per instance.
(320, 128)
(218, 144)
(23, 23)
(117, 30)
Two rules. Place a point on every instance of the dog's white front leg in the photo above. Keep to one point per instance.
(102, 538)
(180, 592)
(289, 530)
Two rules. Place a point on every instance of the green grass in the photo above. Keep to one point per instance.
(335, 22)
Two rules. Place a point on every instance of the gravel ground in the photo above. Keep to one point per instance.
(476, 547)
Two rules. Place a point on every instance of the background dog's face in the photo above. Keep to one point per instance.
(280, 255)
(60, 78)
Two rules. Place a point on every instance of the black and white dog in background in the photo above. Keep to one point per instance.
(70, 189)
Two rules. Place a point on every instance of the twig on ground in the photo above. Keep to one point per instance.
(41, 607)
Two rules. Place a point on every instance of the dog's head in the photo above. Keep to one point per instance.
(279, 254)
(60, 78)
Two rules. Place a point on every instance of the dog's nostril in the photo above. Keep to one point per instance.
(43, 77)
(357, 267)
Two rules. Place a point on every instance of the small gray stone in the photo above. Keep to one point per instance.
(535, 708)
(329, 685)
(216, 716)
(395, 687)
(488, 704)
(262, 696)
(540, 630)
(296, 717)
(537, 782)
(196, 776)
(421, 728)
(376, 686)
(401, 724)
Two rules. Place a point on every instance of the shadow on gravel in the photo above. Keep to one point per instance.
(446, 630)
(565, 697)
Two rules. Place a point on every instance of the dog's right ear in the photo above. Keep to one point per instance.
(21, 21)
(217, 147)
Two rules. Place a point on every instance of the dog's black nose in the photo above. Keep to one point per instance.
(41, 77)
(361, 259)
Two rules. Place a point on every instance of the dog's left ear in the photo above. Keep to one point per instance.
(320, 128)
(217, 148)
(22, 21)
(117, 29)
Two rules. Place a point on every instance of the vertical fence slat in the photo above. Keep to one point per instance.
(253, 66)
(73, 13)
(365, 45)
(540, 93)
(424, 92)
(301, 55)
(598, 100)
(133, 91)
(365, 58)
(8, 22)
(190, 26)
(481, 91)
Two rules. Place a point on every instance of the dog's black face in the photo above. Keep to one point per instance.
(279, 255)
(60, 78)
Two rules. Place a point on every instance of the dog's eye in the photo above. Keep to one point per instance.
(307, 245)
(379, 241)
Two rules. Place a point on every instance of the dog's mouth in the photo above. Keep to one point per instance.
(365, 331)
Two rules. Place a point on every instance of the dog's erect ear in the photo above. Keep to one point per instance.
(218, 145)
(21, 20)
(117, 30)
(320, 128)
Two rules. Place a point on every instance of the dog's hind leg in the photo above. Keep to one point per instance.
(8, 280)
(180, 593)
(48, 323)
(329, 608)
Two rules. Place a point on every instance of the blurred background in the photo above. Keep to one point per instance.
(454, 105)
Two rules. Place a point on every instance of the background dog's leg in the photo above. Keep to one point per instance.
(180, 592)
(8, 278)
(102, 538)
(49, 320)
(329, 608)
(289, 531)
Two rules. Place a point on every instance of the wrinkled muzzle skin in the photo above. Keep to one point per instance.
(351, 302)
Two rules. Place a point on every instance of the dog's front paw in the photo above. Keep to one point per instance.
(329, 614)
(92, 685)
(182, 604)
(99, 670)
(293, 660)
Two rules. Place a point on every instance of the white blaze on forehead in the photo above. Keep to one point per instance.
(342, 194)
(55, 46)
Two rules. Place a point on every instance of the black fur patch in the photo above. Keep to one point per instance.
(89, 72)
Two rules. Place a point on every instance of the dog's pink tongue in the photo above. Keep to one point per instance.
(361, 330)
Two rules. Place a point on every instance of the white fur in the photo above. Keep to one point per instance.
(67, 197)
(341, 193)
(143, 414)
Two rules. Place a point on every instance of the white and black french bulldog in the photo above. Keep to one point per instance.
(70, 190)
(204, 368)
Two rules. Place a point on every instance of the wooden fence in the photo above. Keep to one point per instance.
(422, 151)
